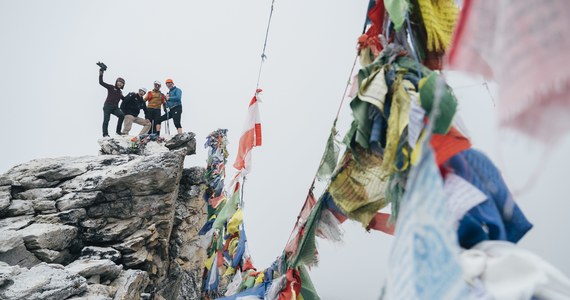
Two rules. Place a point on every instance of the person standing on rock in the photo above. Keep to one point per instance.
(131, 107)
(155, 99)
(173, 105)
(111, 105)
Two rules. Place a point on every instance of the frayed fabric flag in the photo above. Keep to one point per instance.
(330, 157)
(358, 187)
(298, 230)
(446, 106)
(496, 218)
(308, 291)
(424, 261)
(328, 227)
(439, 18)
(397, 121)
(251, 136)
(276, 286)
(307, 253)
(524, 45)
(292, 289)
(397, 9)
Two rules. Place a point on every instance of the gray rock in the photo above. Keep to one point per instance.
(44, 282)
(79, 200)
(93, 252)
(68, 217)
(5, 196)
(53, 256)
(47, 172)
(18, 208)
(146, 207)
(93, 224)
(130, 284)
(115, 146)
(7, 272)
(133, 260)
(131, 245)
(40, 193)
(9, 240)
(193, 176)
(44, 206)
(96, 292)
(115, 230)
(19, 256)
(91, 267)
(48, 236)
(185, 141)
(16, 223)
(5, 181)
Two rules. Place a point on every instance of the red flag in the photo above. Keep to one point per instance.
(251, 136)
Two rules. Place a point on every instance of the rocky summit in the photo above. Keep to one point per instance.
(120, 225)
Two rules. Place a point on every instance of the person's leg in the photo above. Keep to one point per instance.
(119, 114)
(176, 114)
(128, 124)
(145, 123)
(155, 115)
(106, 118)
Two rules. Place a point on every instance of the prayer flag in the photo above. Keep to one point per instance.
(251, 136)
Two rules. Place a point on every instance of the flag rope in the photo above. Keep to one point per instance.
(263, 56)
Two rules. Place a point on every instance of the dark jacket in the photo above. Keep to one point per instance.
(114, 94)
(132, 105)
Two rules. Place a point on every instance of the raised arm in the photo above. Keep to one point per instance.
(105, 85)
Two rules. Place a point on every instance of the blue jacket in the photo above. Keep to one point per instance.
(175, 97)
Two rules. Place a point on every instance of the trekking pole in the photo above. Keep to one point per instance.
(167, 121)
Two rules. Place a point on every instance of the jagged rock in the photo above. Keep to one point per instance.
(96, 292)
(44, 206)
(130, 284)
(91, 267)
(95, 279)
(193, 176)
(133, 260)
(68, 217)
(93, 252)
(115, 146)
(47, 172)
(16, 223)
(48, 236)
(134, 210)
(40, 193)
(78, 200)
(9, 240)
(43, 282)
(53, 256)
(18, 208)
(93, 224)
(123, 145)
(184, 140)
(7, 272)
(19, 256)
(115, 230)
(5, 195)
(5, 181)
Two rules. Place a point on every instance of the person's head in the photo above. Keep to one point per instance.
(142, 92)
(169, 83)
(156, 85)
(120, 83)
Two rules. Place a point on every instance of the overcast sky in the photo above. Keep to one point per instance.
(52, 106)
